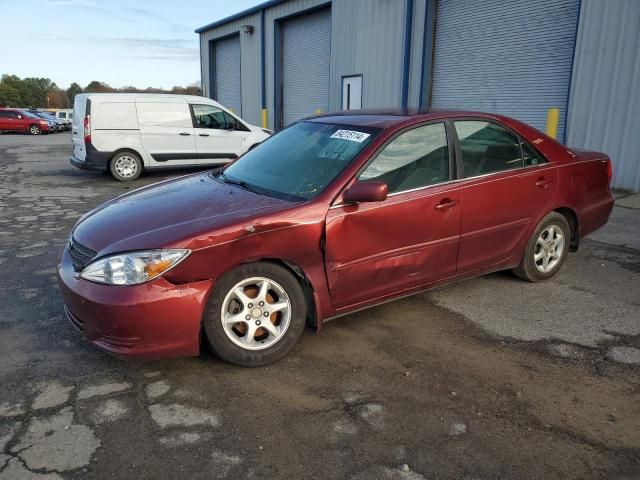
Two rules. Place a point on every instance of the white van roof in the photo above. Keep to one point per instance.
(147, 97)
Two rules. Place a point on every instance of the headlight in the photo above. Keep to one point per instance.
(267, 131)
(133, 268)
(43, 122)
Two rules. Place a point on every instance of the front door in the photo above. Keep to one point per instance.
(219, 136)
(507, 188)
(374, 250)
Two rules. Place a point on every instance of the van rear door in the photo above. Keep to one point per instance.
(81, 107)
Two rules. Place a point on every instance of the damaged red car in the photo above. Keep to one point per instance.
(331, 215)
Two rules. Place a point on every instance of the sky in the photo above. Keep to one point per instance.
(121, 43)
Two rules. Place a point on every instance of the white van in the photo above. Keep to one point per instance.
(125, 133)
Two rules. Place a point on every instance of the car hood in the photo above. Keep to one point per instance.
(171, 214)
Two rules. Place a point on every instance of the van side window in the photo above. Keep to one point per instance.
(62, 114)
(208, 116)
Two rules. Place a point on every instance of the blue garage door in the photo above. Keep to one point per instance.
(306, 54)
(227, 73)
(509, 57)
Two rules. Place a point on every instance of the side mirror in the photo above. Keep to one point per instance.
(361, 192)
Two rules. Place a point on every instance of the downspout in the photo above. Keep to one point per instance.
(406, 63)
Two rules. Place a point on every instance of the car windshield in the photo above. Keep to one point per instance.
(28, 114)
(299, 162)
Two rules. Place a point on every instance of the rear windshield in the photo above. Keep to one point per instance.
(301, 161)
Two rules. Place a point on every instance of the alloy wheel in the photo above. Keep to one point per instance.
(549, 248)
(256, 313)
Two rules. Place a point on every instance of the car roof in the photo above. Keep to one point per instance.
(388, 117)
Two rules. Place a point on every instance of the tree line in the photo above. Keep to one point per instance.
(34, 92)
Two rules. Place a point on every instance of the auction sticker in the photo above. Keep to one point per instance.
(351, 135)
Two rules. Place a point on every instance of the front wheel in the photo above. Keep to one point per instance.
(255, 315)
(546, 250)
(35, 130)
(126, 166)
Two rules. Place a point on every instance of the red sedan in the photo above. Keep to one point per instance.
(331, 215)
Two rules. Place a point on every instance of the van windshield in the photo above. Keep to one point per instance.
(299, 162)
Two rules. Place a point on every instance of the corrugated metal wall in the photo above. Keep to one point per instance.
(356, 26)
(250, 63)
(512, 58)
(228, 73)
(604, 107)
(306, 55)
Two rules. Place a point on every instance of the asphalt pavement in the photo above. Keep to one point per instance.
(490, 378)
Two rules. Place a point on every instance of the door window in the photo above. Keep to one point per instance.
(416, 158)
(487, 148)
(208, 116)
(531, 157)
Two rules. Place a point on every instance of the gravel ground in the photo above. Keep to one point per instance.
(489, 378)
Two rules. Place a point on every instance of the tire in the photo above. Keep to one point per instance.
(230, 340)
(35, 130)
(546, 250)
(125, 166)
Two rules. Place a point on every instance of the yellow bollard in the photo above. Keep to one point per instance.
(553, 116)
(264, 118)
(318, 111)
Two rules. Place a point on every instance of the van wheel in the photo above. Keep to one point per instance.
(546, 250)
(255, 314)
(126, 166)
(35, 130)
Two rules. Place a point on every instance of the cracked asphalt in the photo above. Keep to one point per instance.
(491, 378)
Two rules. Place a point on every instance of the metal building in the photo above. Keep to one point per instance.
(287, 59)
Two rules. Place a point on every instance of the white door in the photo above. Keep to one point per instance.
(219, 136)
(352, 93)
(77, 127)
(167, 134)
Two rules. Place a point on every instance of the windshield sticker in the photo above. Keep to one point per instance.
(351, 135)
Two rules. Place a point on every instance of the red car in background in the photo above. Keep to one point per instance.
(15, 120)
(331, 215)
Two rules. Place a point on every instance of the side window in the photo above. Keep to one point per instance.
(4, 114)
(531, 157)
(208, 116)
(487, 147)
(417, 158)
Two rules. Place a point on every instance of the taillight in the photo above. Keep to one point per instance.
(609, 171)
(87, 129)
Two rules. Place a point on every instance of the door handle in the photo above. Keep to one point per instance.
(543, 182)
(446, 204)
(184, 134)
(203, 134)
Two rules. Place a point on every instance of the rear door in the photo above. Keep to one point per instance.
(374, 250)
(219, 136)
(166, 133)
(507, 188)
(81, 108)
(4, 120)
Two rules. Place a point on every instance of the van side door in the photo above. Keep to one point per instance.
(219, 136)
(166, 133)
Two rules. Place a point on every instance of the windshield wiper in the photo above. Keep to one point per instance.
(242, 184)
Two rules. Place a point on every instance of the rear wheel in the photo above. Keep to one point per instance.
(546, 250)
(255, 315)
(35, 130)
(126, 166)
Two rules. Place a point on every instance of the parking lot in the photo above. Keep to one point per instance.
(490, 378)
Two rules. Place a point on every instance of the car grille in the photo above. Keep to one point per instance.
(81, 256)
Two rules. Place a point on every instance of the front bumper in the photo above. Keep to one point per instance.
(150, 321)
